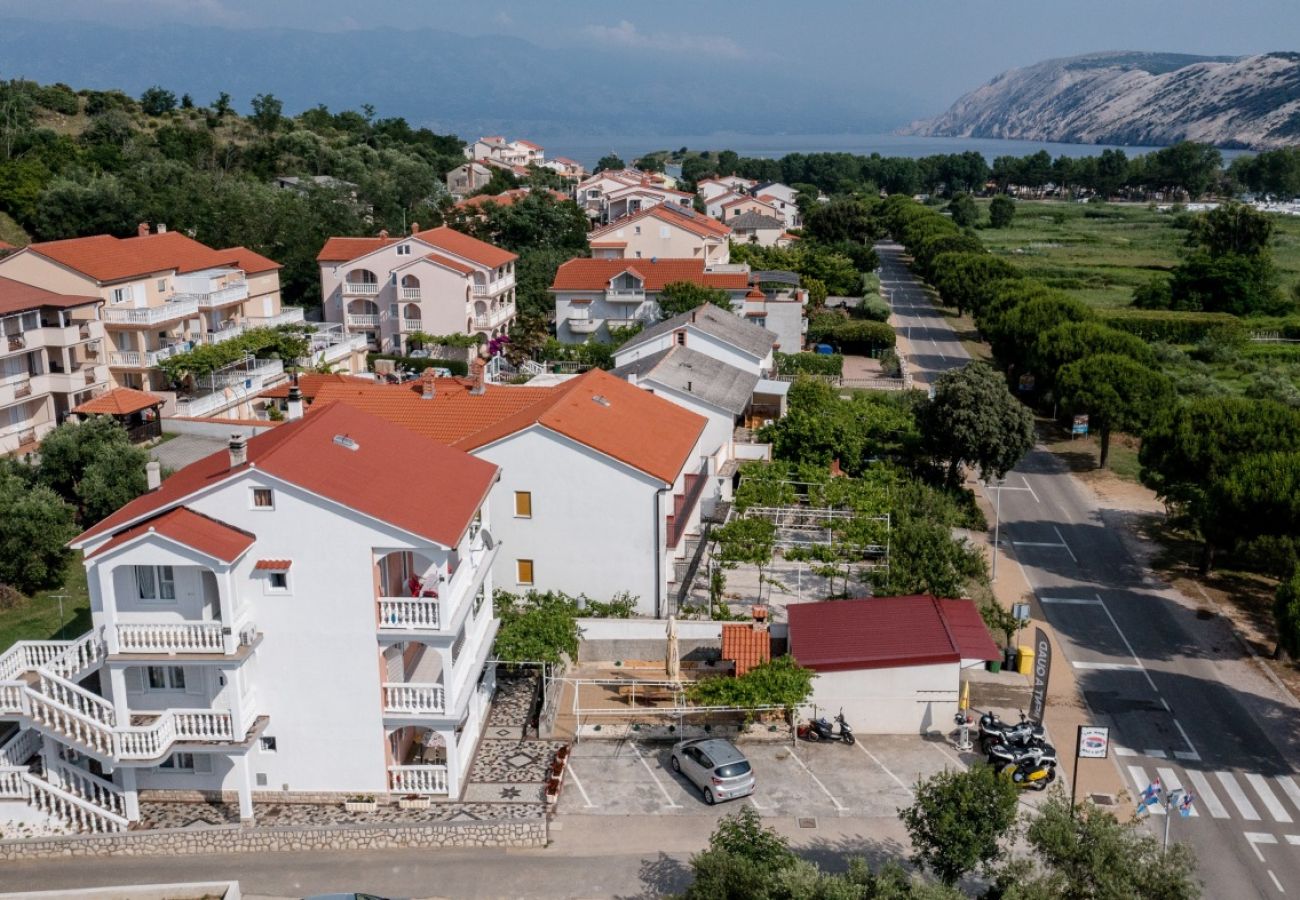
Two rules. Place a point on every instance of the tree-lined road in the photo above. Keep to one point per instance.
(1184, 701)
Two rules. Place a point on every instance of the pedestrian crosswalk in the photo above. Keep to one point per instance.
(1248, 796)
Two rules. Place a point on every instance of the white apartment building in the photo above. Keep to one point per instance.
(783, 197)
(611, 195)
(602, 486)
(437, 281)
(297, 618)
(52, 359)
(163, 293)
(663, 231)
(512, 153)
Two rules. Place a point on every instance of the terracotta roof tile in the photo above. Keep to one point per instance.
(746, 646)
(118, 402)
(436, 499)
(251, 262)
(466, 247)
(311, 383)
(595, 274)
(15, 296)
(106, 258)
(696, 223)
(191, 529)
(273, 565)
(342, 249)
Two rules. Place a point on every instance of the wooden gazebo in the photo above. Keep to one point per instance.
(137, 411)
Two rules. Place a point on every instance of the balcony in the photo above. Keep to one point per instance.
(16, 342)
(625, 295)
(413, 699)
(493, 288)
(363, 320)
(684, 504)
(22, 388)
(233, 292)
(409, 614)
(288, 315)
(185, 637)
(412, 324)
(152, 315)
(583, 323)
(417, 779)
(135, 359)
(494, 317)
(360, 288)
(410, 293)
(231, 388)
(222, 334)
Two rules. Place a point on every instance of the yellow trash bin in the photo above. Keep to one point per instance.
(1026, 657)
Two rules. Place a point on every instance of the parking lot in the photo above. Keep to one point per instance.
(872, 778)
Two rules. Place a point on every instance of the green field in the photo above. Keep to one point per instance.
(37, 618)
(1101, 252)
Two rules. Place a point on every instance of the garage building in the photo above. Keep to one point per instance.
(893, 664)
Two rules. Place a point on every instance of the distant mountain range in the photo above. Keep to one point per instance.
(1135, 99)
(450, 82)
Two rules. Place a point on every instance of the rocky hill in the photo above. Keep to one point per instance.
(1135, 99)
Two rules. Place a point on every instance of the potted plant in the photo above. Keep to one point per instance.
(415, 801)
(359, 803)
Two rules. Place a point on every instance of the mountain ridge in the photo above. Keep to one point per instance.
(1134, 98)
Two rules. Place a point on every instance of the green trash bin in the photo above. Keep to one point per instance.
(995, 665)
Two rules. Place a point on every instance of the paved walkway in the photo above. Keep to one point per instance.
(184, 449)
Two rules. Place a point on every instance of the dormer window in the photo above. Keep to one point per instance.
(403, 249)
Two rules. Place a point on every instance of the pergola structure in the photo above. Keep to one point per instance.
(136, 411)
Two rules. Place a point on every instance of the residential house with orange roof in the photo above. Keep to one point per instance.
(496, 148)
(566, 168)
(731, 209)
(294, 618)
(163, 293)
(594, 295)
(614, 193)
(784, 198)
(603, 484)
(437, 281)
(663, 231)
(52, 357)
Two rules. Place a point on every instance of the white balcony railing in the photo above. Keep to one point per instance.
(417, 779)
(152, 315)
(495, 317)
(583, 323)
(363, 320)
(361, 288)
(410, 293)
(185, 637)
(418, 699)
(288, 315)
(407, 613)
(134, 359)
(625, 296)
(412, 324)
(236, 292)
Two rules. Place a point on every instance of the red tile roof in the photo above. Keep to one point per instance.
(311, 383)
(633, 426)
(5, 245)
(118, 402)
(696, 223)
(505, 198)
(525, 143)
(106, 258)
(15, 296)
(342, 249)
(252, 263)
(436, 498)
(184, 526)
(746, 646)
(448, 240)
(273, 565)
(885, 632)
(595, 274)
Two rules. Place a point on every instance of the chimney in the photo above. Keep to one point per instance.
(238, 450)
(295, 402)
(428, 390)
(161, 228)
(383, 233)
(476, 370)
(153, 474)
(415, 228)
(142, 230)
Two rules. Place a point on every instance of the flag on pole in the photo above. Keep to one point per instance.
(1185, 805)
(1151, 796)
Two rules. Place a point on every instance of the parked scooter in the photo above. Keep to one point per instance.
(820, 729)
(1032, 766)
(995, 731)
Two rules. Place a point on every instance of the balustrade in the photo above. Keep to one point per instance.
(417, 779)
(413, 698)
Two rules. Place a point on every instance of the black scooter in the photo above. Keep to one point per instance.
(820, 729)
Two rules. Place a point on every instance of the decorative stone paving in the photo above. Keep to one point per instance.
(513, 762)
(511, 705)
(198, 815)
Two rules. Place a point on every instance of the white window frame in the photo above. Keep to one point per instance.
(532, 572)
(403, 249)
(162, 285)
(198, 763)
(170, 682)
(252, 499)
(122, 294)
(269, 588)
(159, 576)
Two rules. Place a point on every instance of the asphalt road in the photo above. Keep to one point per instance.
(1184, 702)
(934, 346)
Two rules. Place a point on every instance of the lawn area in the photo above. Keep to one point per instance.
(1082, 454)
(37, 618)
(1101, 252)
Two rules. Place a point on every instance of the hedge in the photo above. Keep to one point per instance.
(827, 364)
(862, 337)
(1283, 327)
(1167, 325)
(1289, 352)
(417, 364)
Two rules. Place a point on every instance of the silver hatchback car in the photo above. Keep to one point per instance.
(716, 767)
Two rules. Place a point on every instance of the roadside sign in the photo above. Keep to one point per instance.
(1026, 383)
(1094, 741)
(1080, 425)
(1020, 611)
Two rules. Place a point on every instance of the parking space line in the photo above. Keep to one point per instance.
(577, 782)
(1277, 884)
(1060, 537)
(883, 767)
(941, 749)
(760, 806)
(814, 777)
(654, 777)
(1258, 837)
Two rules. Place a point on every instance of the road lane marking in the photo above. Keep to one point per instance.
(1141, 781)
(885, 769)
(1155, 754)
(1053, 544)
(1187, 755)
(1237, 796)
(1125, 751)
(577, 782)
(1277, 884)
(1030, 489)
(818, 781)
(1258, 837)
(1124, 638)
(1107, 666)
(759, 806)
(1080, 601)
(1060, 537)
(1293, 840)
(1289, 788)
(1191, 748)
(1204, 794)
(1165, 704)
(1271, 803)
(1169, 781)
(654, 777)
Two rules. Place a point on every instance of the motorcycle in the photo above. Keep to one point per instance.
(1033, 766)
(820, 729)
(995, 731)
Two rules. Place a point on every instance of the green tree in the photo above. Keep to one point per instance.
(973, 420)
(94, 465)
(35, 527)
(267, 110)
(112, 479)
(538, 627)
(1072, 341)
(742, 860)
(960, 821)
(1086, 853)
(1116, 393)
(683, 296)
(221, 106)
(609, 161)
(1286, 611)
(1232, 228)
(156, 101)
(1002, 211)
(842, 219)
(962, 279)
(750, 541)
(964, 211)
(777, 682)
(1258, 495)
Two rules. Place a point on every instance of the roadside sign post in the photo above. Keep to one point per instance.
(1020, 612)
(1091, 742)
(1080, 427)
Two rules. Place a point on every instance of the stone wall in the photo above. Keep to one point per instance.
(239, 839)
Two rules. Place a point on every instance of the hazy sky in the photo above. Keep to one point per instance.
(928, 50)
